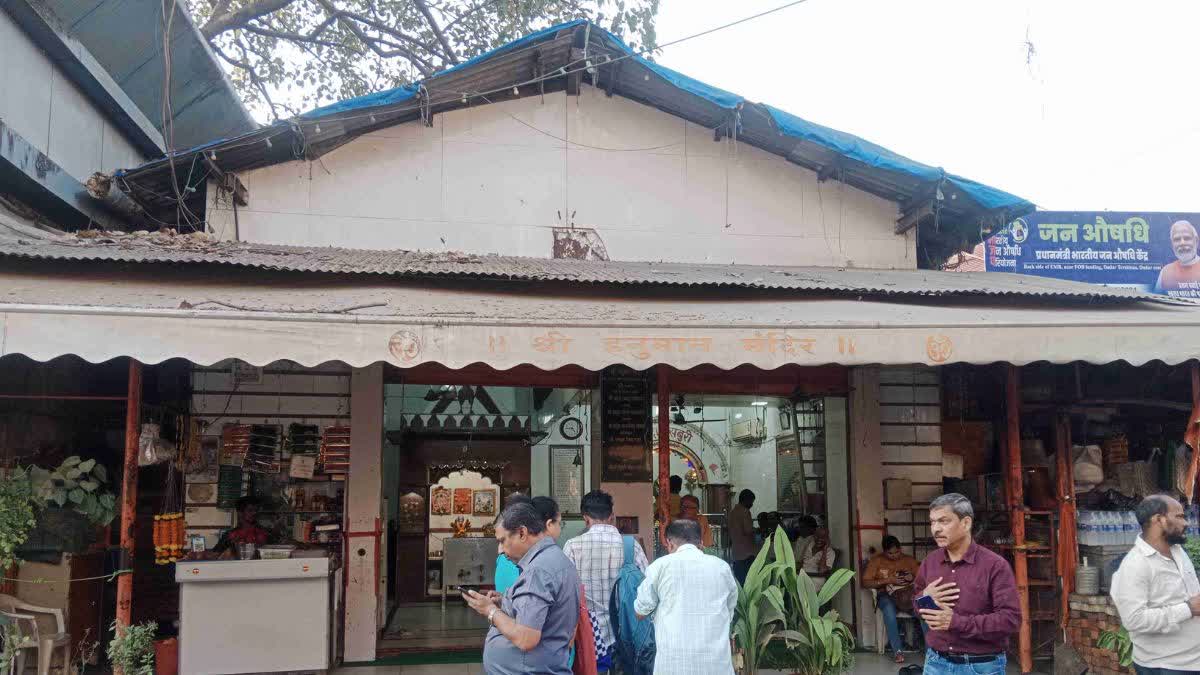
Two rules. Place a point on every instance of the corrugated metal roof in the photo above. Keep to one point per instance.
(199, 250)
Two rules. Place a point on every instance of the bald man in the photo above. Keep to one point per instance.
(1185, 269)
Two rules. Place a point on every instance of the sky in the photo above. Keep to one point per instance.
(1102, 113)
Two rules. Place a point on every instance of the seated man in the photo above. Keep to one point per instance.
(891, 574)
(818, 563)
(804, 537)
(818, 560)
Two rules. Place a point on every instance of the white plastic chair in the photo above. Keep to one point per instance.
(22, 619)
(881, 640)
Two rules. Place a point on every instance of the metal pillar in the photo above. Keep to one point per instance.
(1016, 511)
(129, 478)
(664, 450)
(1067, 551)
(1190, 482)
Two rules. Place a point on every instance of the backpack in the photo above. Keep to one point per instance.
(634, 649)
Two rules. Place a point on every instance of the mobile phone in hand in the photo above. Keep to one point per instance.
(926, 602)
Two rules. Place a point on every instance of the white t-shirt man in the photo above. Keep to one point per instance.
(1151, 593)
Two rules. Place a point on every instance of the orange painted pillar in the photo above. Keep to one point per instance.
(1016, 511)
(664, 450)
(129, 478)
(1067, 544)
(1194, 467)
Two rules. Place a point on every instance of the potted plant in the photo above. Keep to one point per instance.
(131, 650)
(779, 622)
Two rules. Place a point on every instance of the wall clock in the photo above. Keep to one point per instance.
(570, 428)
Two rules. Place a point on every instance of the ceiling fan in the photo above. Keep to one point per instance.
(678, 407)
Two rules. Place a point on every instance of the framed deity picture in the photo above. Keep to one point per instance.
(463, 504)
(439, 501)
(411, 519)
(485, 502)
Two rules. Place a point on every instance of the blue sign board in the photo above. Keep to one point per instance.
(1156, 252)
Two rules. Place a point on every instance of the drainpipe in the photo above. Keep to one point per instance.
(133, 410)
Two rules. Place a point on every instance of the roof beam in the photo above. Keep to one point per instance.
(34, 178)
(909, 219)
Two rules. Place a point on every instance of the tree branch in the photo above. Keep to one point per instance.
(350, 20)
(433, 25)
(219, 23)
(291, 37)
(246, 66)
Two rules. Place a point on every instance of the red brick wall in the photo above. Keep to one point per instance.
(1090, 616)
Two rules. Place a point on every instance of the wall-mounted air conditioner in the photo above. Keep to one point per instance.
(748, 431)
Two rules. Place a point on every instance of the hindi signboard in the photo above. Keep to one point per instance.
(1151, 251)
(625, 424)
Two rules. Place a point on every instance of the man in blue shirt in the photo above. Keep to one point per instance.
(534, 622)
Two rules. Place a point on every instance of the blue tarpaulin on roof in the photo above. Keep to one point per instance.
(401, 94)
(880, 157)
(848, 145)
(845, 144)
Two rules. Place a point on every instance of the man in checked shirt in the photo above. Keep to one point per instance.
(598, 554)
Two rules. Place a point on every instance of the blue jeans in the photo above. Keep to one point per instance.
(936, 665)
(887, 607)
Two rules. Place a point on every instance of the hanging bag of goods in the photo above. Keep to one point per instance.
(152, 448)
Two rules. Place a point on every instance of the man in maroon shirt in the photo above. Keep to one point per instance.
(975, 593)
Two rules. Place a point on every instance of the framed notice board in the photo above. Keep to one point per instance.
(625, 398)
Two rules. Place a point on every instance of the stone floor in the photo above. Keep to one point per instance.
(865, 664)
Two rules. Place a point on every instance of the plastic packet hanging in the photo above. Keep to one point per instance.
(152, 448)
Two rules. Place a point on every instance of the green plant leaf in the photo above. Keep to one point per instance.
(833, 584)
(76, 496)
(73, 474)
(60, 497)
(108, 500)
(73, 460)
(87, 466)
(89, 485)
(100, 473)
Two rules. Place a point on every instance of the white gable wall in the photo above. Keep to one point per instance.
(39, 102)
(653, 186)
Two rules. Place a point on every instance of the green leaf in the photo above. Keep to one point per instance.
(833, 584)
(89, 485)
(77, 495)
(108, 500)
(73, 460)
(87, 466)
(73, 474)
(60, 498)
(100, 473)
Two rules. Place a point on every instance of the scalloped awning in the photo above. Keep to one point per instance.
(406, 323)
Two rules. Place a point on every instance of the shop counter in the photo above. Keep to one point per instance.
(256, 616)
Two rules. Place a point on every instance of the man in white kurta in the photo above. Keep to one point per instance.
(1157, 593)
(691, 597)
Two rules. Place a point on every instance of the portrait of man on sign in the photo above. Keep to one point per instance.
(1183, 272)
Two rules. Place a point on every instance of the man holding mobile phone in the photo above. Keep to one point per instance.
(974, 592)
(533, 623)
